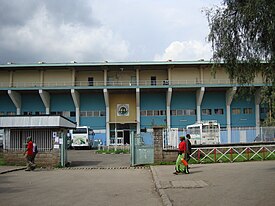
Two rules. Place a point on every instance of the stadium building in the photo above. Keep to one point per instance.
(118, 97)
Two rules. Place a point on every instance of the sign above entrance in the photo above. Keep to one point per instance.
(122, 109)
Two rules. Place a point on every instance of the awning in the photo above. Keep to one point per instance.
(45, 121)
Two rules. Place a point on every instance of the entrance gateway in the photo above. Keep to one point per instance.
(120, 133)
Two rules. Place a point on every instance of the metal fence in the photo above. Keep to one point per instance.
(233, 153)
(17, 139)
(238, 135)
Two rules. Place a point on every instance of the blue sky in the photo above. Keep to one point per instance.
(99, 30)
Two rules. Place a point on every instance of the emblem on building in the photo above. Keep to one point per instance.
(123, 110)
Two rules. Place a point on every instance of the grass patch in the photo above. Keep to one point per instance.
(113, 151)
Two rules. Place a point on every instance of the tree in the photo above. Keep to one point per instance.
(242, 33)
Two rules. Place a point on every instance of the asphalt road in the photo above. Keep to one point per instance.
(100, 187)
(89, 158)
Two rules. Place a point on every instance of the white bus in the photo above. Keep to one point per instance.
(80, 137)
(204, 132)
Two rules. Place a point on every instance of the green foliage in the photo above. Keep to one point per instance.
(242, 37)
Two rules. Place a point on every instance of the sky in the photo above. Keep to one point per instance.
(60, 31)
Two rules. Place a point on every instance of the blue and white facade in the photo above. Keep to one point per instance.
(118, 97)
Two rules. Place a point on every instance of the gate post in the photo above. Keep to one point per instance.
(132, 148)
(158, 144)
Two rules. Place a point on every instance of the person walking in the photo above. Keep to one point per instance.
(180, 166)
(29, 154)
(188, 148)
(35, 151)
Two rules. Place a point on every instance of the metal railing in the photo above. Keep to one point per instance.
(233, 153)
(18, 139)
(151, 83)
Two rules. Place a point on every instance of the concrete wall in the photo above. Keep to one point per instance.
(4, 77)
(189, 74)
(82, 76)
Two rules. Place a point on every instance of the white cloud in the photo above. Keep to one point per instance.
(42, 39)
(186, 50)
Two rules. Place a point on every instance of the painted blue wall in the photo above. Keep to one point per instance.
(183, 100)
(62, 102)
(32, 103)
(93, 102)
(214, 100)
(243, 120)
(6, 105)
(152, 101)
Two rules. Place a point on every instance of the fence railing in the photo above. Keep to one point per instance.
(238, 135)
(129, 83)
(233, 153)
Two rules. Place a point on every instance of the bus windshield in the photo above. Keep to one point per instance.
(80, 131)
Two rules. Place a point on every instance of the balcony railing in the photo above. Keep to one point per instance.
(150, 83)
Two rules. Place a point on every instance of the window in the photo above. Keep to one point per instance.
(156, 112)
(90, 113)
(247, 110)
(206, 112)
(96, 113)
(66, 113)
(192, 111)
(218, 111)
(83, 114)
(72, 114)
(173, 112)
(27, 113)
(143, 112)
(11, 113)
(2, 113)
(102, 113)
(153, 80)
(90, 81)
(149, 113)
(162, 112)
(236, 111)
(179, 112)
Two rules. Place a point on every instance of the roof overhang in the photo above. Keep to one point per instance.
(46, 121)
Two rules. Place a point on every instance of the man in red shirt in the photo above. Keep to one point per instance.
(29, 154)
(180, 167)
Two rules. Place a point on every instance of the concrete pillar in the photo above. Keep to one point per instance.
(199, 98)
(257, 110)
(106, 98)
(168, 108)
(16, 99)
(229, 97)
(76, 99)
(45, 96)
(138, 110)
(158, 144)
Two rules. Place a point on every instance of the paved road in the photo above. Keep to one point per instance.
(249, 183)
(100, 187)
(89, 158)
